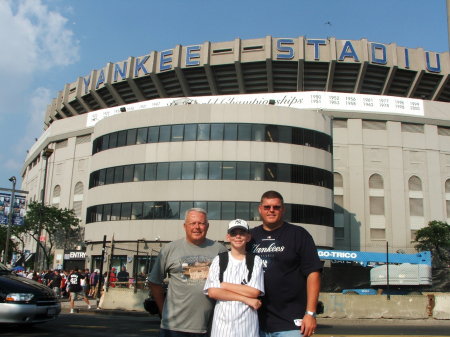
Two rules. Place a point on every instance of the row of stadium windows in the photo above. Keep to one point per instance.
(213, 131)
(217, 210)
(212, 170)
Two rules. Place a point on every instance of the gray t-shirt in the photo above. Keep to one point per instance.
(186, 308)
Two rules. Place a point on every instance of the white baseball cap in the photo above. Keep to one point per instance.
(238, 223)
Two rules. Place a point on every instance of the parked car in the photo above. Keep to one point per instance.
(24, 301)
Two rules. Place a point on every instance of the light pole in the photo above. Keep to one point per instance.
(46, 153)
(10, 218)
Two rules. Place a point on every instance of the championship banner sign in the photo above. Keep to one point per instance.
(18, 208)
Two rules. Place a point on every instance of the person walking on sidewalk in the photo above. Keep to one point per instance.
(76, 289)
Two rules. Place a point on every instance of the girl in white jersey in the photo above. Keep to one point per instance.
(235, 313)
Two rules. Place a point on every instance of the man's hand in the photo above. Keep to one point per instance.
(308, 326)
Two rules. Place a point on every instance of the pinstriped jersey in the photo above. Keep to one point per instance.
(234, 318)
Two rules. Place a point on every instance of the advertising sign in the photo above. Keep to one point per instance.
(19, 207)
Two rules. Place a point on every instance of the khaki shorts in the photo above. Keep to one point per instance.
(74, 295)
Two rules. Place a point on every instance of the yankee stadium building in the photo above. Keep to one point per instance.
(354, 134)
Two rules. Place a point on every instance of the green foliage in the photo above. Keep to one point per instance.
(435, 238)
(3, 229)
(53, 223)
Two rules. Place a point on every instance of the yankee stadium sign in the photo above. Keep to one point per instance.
(282, 49)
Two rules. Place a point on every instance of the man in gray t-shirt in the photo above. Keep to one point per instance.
(186, 310)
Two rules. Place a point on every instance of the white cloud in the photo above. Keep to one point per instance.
(34, 39)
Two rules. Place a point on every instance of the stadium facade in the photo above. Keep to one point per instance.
(354, 134)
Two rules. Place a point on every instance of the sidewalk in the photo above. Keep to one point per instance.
(81, 307)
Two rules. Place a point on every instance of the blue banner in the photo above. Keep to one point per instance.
(19, 207)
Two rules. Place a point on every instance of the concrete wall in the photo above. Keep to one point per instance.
(335, 305)
(378, 306)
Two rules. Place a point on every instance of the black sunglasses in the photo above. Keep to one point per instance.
(268, 207)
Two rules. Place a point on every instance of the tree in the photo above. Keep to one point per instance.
(12, 244)
(54, 223)
(435, 238)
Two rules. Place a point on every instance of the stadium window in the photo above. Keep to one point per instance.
(217, 131)
(230, 132)
(150, 172)
(125, 213)
(243, 210)
(164, 133)
(122, 138)
(112, 140)
(147, 210)
(258, 132)
(243, 171)
(228, 210)
(106, 216)
(128, 173)
(105, 142)
(115, 212)
(244, 132)
(174, 209)
(270, 172)
(136, 211)
(139, 171)
(214, 210)
(131, 136)
(118, 175)
(190, 132)
(201, 170)
(177, 133)
(162, 171)
(215, 171)
(109, 176)
(184, 206)
(286, 134)
(175, 171)
(153, 134)
(256, 171)
(203, 132)
(187, 171)
(142, 136)
(271, 133)
(229, 170)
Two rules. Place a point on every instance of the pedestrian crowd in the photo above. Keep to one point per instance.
(59, 280)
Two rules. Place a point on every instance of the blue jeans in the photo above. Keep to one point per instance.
(288, 333)
(172, 333)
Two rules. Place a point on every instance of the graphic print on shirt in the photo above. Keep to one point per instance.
(195, 269)
(267, 249)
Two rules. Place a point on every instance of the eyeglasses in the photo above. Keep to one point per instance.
(201, 224)
(269, 207)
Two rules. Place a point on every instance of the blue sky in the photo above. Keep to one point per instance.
(48, 43)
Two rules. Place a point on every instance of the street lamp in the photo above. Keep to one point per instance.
(46, 153)
(10, 218)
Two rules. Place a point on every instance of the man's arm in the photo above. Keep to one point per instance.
(227, 295)
(312, 296)
(241, 289)
(157, 292)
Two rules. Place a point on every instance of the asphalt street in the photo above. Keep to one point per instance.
(102, 323)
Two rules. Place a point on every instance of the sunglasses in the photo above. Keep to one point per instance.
(238, 232)
(269, 207)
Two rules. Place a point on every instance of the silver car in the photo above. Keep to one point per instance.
(24, 301)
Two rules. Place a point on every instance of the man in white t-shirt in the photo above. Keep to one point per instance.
(237, 290)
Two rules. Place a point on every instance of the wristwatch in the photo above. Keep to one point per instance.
(311, 313)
